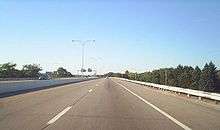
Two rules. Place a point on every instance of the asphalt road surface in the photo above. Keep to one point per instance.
(106, 104)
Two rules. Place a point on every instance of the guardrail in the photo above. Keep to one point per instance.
(188, 92)
(15, 86)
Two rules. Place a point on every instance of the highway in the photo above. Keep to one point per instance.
(106, 104)
(8, 88)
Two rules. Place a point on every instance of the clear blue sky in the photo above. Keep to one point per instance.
(137, 36)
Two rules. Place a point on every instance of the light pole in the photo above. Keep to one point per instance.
(83, 43)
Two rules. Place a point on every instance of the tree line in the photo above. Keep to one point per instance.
(8, 70)
(205, 79)
(61, 73)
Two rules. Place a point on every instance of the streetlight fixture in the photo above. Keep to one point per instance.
(83, 43)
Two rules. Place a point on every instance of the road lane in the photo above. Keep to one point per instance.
(103, 104)
(156, 108)
(11, 88)
(33, 110)
(110, 107)
(195, 114)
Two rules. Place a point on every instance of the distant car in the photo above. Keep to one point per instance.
(44, 77)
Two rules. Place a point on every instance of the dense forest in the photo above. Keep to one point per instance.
(205, 79)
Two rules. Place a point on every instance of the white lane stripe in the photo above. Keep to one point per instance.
(156, 108)
(90, 90)
(58, 115)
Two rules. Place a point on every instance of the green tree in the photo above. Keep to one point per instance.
(171, 77)
(208, 79)
(196, 75)
(156, 76)
(141, 76)
(178, 75)
(186, 77)
(126, 74)
(8, 70)
(61, 72)
(218, 81)
(31, 70)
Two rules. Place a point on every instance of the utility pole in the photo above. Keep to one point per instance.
(83, 43)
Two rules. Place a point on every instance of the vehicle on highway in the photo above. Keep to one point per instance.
(44, 77)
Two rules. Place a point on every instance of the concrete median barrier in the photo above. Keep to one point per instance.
(7, 87)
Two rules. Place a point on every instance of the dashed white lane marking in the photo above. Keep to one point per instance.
(90, 90)
(156, 108)
(54, 119)
(59, 115)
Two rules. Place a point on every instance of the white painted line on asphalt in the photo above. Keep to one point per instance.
(54, 119)
(156, 108)
(90, 90)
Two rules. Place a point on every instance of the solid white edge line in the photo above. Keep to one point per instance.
(156, 108)
(54, 119)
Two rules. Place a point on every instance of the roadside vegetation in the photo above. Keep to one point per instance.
(205, 79)
(8, 70)
(61, 73)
